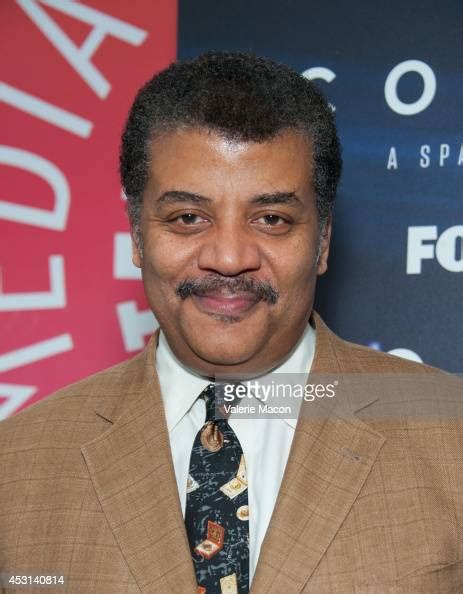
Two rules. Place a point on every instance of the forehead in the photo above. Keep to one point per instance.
(199, 158)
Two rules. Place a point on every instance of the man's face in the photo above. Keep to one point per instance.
(230, 240)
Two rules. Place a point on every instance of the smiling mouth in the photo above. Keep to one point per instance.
(223, 303)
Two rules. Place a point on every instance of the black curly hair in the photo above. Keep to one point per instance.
(239, 95)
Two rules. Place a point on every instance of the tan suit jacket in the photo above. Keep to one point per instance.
(371, 500)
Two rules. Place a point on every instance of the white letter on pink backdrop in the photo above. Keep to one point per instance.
(45, 111)
(80, 57)
(30, 215)
(55, 298)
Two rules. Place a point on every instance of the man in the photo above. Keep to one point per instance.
(128, 482)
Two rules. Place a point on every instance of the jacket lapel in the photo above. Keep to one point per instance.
(132, 471)
(331, 456)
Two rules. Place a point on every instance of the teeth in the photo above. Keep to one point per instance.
(230, 295)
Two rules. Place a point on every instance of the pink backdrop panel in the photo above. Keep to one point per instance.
(71, 303)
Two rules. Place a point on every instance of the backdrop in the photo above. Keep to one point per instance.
(71, 303)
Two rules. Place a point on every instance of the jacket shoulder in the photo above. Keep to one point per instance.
(368, 359)
(74, 413)
(371, 356)
(334, 351)
(388, 379)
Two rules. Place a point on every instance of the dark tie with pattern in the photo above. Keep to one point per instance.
(217, 513)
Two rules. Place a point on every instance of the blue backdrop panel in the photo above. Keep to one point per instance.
(399, 205)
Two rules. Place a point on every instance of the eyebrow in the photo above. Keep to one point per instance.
(277, 198)
(174, 196)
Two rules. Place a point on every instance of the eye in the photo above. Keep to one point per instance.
(189, 219)
(272, 223)
(272, 220)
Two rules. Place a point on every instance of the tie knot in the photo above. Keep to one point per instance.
(208, 395)
(218, 395)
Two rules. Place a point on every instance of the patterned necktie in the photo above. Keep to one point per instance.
(217, 512)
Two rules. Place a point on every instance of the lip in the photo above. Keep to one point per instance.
(218, 303)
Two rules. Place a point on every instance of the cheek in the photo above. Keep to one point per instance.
(167, 262)
(296, 268)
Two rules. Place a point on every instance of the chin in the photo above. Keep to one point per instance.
(224, 355)
(225, 349)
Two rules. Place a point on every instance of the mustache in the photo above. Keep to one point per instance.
(262, 290)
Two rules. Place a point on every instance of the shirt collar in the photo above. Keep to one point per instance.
(299, 361)
(180, 387)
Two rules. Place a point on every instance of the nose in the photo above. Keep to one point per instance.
(229, 249)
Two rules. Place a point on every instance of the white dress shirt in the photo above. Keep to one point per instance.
(266, 442)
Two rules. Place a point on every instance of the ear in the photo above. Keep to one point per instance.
(322, 266)
(137, 256)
